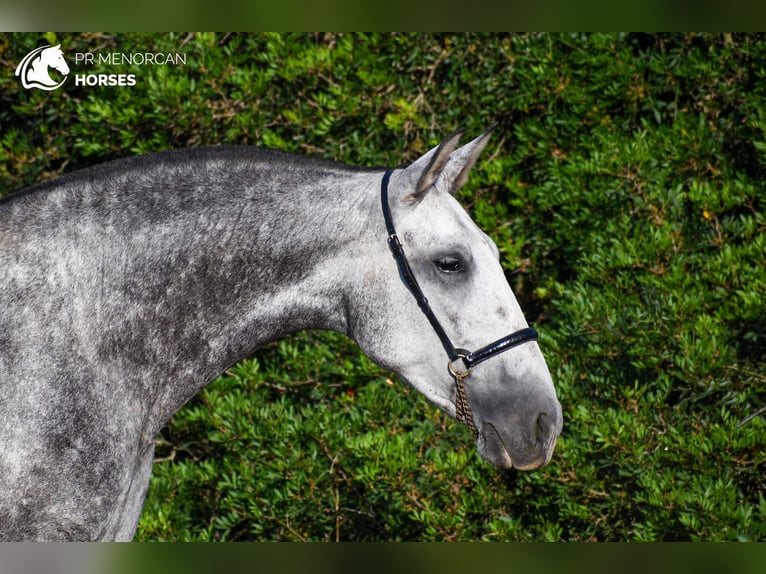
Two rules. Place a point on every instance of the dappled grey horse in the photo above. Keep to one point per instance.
(127, 287)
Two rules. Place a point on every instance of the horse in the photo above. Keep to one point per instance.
(34, 68)
(127, 287)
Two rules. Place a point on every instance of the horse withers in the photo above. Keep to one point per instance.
(127, 287)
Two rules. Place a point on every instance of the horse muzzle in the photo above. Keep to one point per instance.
(524, 441)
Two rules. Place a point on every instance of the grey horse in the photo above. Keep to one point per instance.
(127, 287)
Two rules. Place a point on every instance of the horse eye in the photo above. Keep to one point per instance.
(449, 264)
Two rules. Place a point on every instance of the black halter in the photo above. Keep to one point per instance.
(468, 358)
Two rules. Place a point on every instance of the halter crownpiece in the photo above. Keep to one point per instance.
(467, 358)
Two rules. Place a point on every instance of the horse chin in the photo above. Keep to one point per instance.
(492, 449)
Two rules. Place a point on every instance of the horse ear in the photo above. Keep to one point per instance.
(464, 159)
(431, 165)
(445, 159)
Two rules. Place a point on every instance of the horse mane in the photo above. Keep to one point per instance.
(287, 164)
(240, 156)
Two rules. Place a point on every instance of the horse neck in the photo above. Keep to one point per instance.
(37, 69)
(187, 267)
(260, 249)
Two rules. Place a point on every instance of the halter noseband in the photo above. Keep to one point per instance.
(468, 358)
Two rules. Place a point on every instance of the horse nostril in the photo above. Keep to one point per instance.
(543, 428)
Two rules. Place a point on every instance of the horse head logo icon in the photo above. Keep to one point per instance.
(34, 69)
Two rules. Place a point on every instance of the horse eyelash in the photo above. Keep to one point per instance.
(450, 264)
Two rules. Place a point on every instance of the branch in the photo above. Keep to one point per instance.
(751, 417)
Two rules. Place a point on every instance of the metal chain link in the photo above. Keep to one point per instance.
(463, 411)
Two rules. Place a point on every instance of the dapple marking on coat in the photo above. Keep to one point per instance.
(127, 287)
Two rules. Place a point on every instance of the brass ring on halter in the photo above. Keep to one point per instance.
(458, 374)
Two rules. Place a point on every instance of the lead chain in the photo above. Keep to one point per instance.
(463, 411)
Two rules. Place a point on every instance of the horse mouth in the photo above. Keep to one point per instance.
(493, 449)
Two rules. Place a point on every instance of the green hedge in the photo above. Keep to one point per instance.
(624, 187)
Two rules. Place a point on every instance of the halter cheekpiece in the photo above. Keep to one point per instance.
(456, 355)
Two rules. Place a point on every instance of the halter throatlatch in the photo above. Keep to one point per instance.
(456, 355)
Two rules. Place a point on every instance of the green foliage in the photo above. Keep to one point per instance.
(624, 188)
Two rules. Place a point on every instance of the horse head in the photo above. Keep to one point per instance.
(53, 57)
(509, 397)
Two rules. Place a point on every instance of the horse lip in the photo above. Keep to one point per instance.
(531, 466)
(506, 461)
